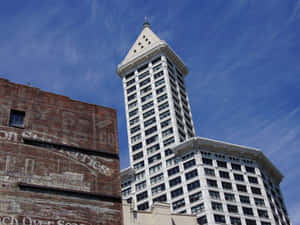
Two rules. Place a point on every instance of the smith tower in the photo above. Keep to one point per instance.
(157, 111)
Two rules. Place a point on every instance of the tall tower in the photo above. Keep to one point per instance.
(157, 110)
(222, 183)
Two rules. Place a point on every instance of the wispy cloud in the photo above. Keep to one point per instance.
(243, 58)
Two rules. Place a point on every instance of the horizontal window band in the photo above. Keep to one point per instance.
(69, 193)
(50, 145)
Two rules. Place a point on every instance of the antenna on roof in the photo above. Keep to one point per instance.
(146, 23)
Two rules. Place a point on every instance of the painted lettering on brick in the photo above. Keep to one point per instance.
(90, 161)
(27, 220)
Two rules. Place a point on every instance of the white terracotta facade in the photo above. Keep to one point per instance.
(169, 164)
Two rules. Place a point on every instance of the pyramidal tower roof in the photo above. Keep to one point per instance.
(146, 45)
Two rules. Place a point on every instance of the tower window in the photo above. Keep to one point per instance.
(241, 188)
(248, 211)
(168, 141)
(193, 185)
(195, 197)
(142, 68)
(16, 118)
(129, 75)
(156, 60)
(162, 198)
(202, 220)
(175, 181)
(161, 98)
(238, 177)
(191, 174)
(207, 161)
(212, 183)
(250, 222)
(189, 164)
(250, 169)
(221, 164)
(156, 68)
(232, 208)
(235, 220)
(176, 192)
(142, 196)
(178, 204)
(219, 219)
(229, 197)
(217, 206)
(143, 206)
(244, 199)
(236, 166)
(158, 189)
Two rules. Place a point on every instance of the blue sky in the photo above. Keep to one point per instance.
(243, 56)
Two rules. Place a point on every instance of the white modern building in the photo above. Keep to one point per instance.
(220, 182)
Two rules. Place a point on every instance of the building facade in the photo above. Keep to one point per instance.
(59, 162)
(219, 182)
(158, 113)
(159, 214)
(238, 184)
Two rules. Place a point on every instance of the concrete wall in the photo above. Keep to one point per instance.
(159, 214)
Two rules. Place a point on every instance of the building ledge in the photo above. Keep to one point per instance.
(127, 173)
(233, 149)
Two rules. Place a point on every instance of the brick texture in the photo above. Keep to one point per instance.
(62, 167)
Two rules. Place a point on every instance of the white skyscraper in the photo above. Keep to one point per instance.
(220, 182)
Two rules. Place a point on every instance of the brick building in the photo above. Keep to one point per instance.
(59, 162)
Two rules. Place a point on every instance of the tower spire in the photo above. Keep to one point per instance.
(146, 22)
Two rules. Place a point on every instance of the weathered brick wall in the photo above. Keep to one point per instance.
(62, 168)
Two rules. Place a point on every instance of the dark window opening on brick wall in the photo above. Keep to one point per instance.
(16, 118)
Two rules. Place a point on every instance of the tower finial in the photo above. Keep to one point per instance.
(146, 23)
